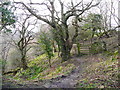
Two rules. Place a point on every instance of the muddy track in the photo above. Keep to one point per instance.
(71, 80)
(68, 81)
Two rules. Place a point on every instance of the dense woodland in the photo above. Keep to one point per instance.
(59, 43)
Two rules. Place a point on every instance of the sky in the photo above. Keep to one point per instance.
(93, 10)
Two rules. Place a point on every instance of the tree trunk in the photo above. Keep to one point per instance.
(54, 47)
(65, 54)
(58, 51)
(24, 63)
(78, 48)
(50, 63)
(65, 51)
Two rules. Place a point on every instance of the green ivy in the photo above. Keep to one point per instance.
(8, 17)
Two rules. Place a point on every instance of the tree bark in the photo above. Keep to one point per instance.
(65, 51)
(50, 63)
(24, 63)
(23, 60)
(78, 48)
(61, 29)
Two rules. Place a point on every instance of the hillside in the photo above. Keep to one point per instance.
(59, 44)
(86, 71)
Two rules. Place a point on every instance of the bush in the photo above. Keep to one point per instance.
(46, 44)
(85, 35)
(30, 73)
(97, 47)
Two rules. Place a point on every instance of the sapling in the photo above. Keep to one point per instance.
(46, 44)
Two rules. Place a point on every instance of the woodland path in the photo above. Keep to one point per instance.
(68, 81)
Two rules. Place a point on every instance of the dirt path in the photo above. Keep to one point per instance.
(65, 82)
(69, 81)
(12, 84)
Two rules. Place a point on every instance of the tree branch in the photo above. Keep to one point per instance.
(37, 16)
(73, 11)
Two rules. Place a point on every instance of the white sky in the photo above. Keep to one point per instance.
(93, 10)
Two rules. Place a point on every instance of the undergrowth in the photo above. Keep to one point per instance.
(102, 74)
(39, 69)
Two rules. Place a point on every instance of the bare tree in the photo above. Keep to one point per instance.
(119, 29)
(59, 23)
(109, 14)
(25, 38)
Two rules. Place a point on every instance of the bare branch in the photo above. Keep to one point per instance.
(34, 14)
(73, 11)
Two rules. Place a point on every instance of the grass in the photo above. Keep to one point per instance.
(56, 72)
(39, 69)
(102, 73)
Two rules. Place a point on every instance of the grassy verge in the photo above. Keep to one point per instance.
(39, 69)
(102, 74)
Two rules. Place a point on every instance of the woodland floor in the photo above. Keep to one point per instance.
(92, 71)
(61, 82)
(69, 81)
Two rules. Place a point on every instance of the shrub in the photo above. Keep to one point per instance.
(97, 47)
(46, 44)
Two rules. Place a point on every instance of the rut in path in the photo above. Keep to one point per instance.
(68, 81)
